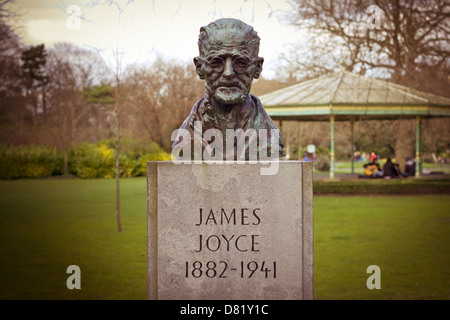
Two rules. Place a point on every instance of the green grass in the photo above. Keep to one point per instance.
(47, 225)
(408, 237)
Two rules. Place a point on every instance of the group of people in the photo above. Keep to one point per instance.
(312, 157)
(357, 156)
(390, 169)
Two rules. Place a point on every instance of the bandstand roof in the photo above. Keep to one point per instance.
(347, 95)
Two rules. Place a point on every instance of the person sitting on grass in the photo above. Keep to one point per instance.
(372, 169)
(390, 169)
(410, 168)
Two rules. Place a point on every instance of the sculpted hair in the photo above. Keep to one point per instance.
(248, 36)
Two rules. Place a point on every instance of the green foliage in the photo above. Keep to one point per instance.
(91, 161)
(322, 163)
(382, 186)
(158, 156)
(97, 160)
(29, 162)
(86, 160)
(102, 94)
(322, 151)
(34, 59)
(444, 155)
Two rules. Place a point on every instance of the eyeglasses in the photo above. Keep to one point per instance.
(240, 65)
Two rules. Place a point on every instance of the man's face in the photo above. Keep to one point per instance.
(229, 72)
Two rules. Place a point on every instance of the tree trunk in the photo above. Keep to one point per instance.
(35, 106)
(44, 104)
(404, 142)
(116, 114)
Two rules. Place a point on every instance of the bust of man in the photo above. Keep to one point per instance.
(228, 61)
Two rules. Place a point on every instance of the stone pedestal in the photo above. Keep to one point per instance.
(225, 231)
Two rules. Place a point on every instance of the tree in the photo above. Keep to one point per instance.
(404, 41)
(34, 75)
(159, 98)
(12, 105)
(116, 69)
(408, 44)
(73, 72)
(117, 111)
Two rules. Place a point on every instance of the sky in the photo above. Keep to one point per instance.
(144, 29)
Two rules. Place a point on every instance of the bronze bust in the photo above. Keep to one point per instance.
(228, 61)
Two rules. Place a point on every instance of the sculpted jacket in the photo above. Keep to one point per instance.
(250, 119)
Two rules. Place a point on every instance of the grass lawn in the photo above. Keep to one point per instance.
(47, 225)
(408, 237)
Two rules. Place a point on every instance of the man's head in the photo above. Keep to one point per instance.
(228, 59)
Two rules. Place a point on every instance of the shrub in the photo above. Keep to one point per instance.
(322, 164)
(129, 165)
(92, 161)
(382, 186)
(156, 156)
(98, 161)
(29, 162)
(86, 160)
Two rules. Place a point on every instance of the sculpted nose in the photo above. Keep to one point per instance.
(228, 68)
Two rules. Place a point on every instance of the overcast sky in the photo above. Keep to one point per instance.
(149, 27)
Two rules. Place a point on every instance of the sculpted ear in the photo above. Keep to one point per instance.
(198, 67)
(258, 70)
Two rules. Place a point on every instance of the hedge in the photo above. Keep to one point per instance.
(29, 162)
(91, 161)
(86, 160)
(382, 186)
